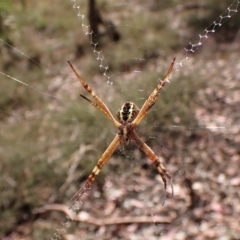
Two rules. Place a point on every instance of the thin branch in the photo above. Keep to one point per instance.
(83, 216)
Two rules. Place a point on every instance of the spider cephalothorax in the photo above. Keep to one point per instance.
(129, 116)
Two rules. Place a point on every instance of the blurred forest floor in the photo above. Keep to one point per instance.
(50, 139)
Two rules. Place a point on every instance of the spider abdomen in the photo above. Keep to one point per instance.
(127, 113)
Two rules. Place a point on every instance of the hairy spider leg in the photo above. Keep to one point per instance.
(154, 158)
(99, 103)
(101, 162)
(153, 97)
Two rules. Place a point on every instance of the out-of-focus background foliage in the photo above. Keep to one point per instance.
(50, 138)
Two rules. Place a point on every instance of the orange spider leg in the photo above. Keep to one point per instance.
(153, 157)
(99, 103)
(152, 98)
(101, 162)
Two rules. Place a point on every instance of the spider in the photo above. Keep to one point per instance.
(129, 116)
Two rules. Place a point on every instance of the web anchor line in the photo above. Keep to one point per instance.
(216, 24)
(98, 53)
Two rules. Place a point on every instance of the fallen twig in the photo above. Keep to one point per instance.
(83, 216)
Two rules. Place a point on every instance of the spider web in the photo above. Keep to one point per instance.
(130, 71)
